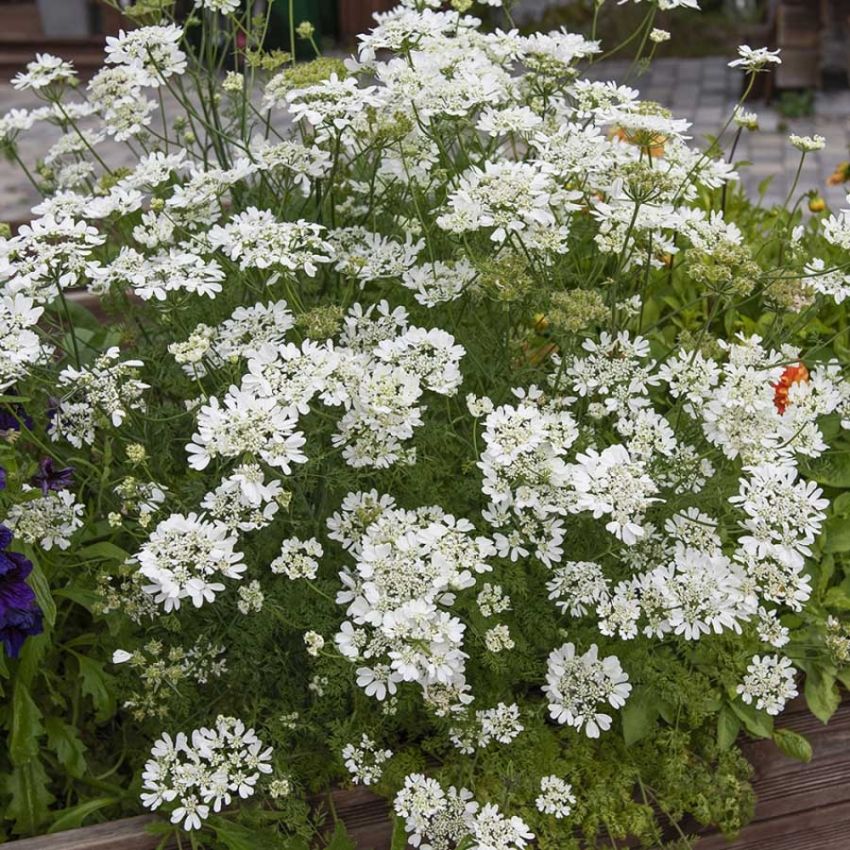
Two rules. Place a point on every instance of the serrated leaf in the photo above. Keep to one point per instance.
(822, 695)
(31, 657)
(831, 469)
(73, 817)
(26, 725)
(728, 727)
(97, 684)
(30, 797)
(794, 746)
(639, 715)
(62, 738)
(757, 723)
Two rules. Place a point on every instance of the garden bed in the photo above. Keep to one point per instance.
(800, 806)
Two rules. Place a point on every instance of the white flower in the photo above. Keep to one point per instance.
(754, 59)
(364, 761)
(204, 772)
(48, 520)
(769, 683)
(576, 685)
(297, 558)
(613, 484)
(577, 587)
(152, 51)
(258, 240)
(20, 346)
(43, 72)
(501, 724)
(246, 424)
(807, 144)
(184, 556)
(491, 830)
(784, 515)
(224, 7)
(556, 797)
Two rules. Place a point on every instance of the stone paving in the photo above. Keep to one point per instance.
(702, 90)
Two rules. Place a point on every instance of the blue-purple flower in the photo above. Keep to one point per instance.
(49, 478)
(20, 616)
(11, 417)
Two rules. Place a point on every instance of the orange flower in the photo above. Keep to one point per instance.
(654, 145)
(840, 175)
(792, 375)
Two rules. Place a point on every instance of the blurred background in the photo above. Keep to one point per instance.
(808, 93)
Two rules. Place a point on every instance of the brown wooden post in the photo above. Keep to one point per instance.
(355, 17)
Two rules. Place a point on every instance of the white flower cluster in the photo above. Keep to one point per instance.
(377, 374)
(106, 390)
(20, 345)
(576, 686)
(769, 683)
(438, 819)
(364, 761)
(205, 771)
(184, 556)
(408, 566)
(48, 520)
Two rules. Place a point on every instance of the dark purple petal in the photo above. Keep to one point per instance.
(49, 478)
(11, 416)
(16, 625)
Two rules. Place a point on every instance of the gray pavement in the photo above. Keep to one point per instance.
(702, 90)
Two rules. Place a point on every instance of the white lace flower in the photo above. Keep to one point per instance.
(578, 685)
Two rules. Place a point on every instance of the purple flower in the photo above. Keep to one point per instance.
(2, 478)
(48, 478)
(11, 416)
(20, 615)
(17, 626)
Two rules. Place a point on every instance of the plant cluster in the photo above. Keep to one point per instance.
(447, 423)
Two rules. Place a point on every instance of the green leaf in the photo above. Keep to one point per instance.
(837, 598)
(836, 535)
(794, 746)
(103, 551)
(639, 715)
(399, 840)
(757, 723)
(728, 727)
(85, 598)
(26, 725)
(30, 798)
(38, 582)
(74, 817)
(62, 738)
(98, 685)
(831, 469)
(822, 695)
(340, 840)
(32, 656)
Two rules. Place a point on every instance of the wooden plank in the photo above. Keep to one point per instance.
(125, 834)
(826, 828)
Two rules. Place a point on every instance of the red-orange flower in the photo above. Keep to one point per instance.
(795, 374)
